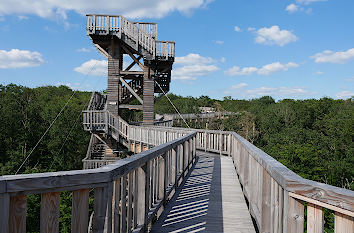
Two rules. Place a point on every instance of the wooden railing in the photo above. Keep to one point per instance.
(127, 194)
(148, 28)
(97, 101)
(165, 49)
(275, 194)
(141, 34)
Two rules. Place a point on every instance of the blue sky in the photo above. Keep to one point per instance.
(245, 49)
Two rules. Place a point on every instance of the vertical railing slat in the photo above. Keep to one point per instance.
(80, 211)
(50, 206)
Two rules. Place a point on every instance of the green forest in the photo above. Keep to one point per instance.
(314, 138)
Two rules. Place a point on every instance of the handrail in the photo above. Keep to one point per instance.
(276, 195)
(122, 190)
(141, 34)
(224, 143)
(165, 49)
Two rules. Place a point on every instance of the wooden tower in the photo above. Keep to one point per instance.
(116, 37)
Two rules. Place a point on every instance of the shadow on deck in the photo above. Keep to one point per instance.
(210, 200)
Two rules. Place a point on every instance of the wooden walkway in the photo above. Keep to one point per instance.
(210, 200)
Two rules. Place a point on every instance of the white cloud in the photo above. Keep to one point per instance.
(133, 8)
(237, 29)
(275, 67)
(329, 56)
(83, 50)
(236, 70)
(93, 68)
(281, 91)
(223, 60)
(220, 42)
(319, 72)
(191, 72)
(16, 58)
(292, 8)
(251, 29)
(274, 35)
(306, 2)
(344, 94)
(193, 58)
(264, 70)
(239, 86)
(193, 66)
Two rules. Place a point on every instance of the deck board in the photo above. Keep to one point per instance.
(210, 200)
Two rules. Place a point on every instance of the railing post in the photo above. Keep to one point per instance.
(102, 218)
(315, 218)
(266, 203)
(80, 211)
(220, 143)
(293, 214)
(343, 223)
(175, 165)
(142, 194)
(50, 208)
(116, 205)
(4, 212)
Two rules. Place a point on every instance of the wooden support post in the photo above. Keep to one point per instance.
(18, 214)
(293, 214)
(315, 218)
(266, 203)
(220, 143)
(343, 223)
(113, 80)
(50, 207)
(4, 212)
(102, 218)
(116, 205)
(130, 202)
(142, 193)
(161, 191)
(148, 94)
(174, 166)
(136, 196)
(123, 223)
(80, 211)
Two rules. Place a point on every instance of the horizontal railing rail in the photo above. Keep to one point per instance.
(127, 193)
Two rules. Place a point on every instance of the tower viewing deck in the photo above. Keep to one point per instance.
(178, 179)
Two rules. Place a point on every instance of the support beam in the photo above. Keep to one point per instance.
(133, 57)
(134, 107)
(148, 93)
(133, 63)
(132, 73)
(114, 67)
(131, 90)
(102, 51)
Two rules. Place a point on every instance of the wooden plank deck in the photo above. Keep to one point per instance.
(210, 200)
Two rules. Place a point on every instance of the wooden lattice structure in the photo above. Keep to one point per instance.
(116, 37)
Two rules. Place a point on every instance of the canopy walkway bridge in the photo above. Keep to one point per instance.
(178, 180)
